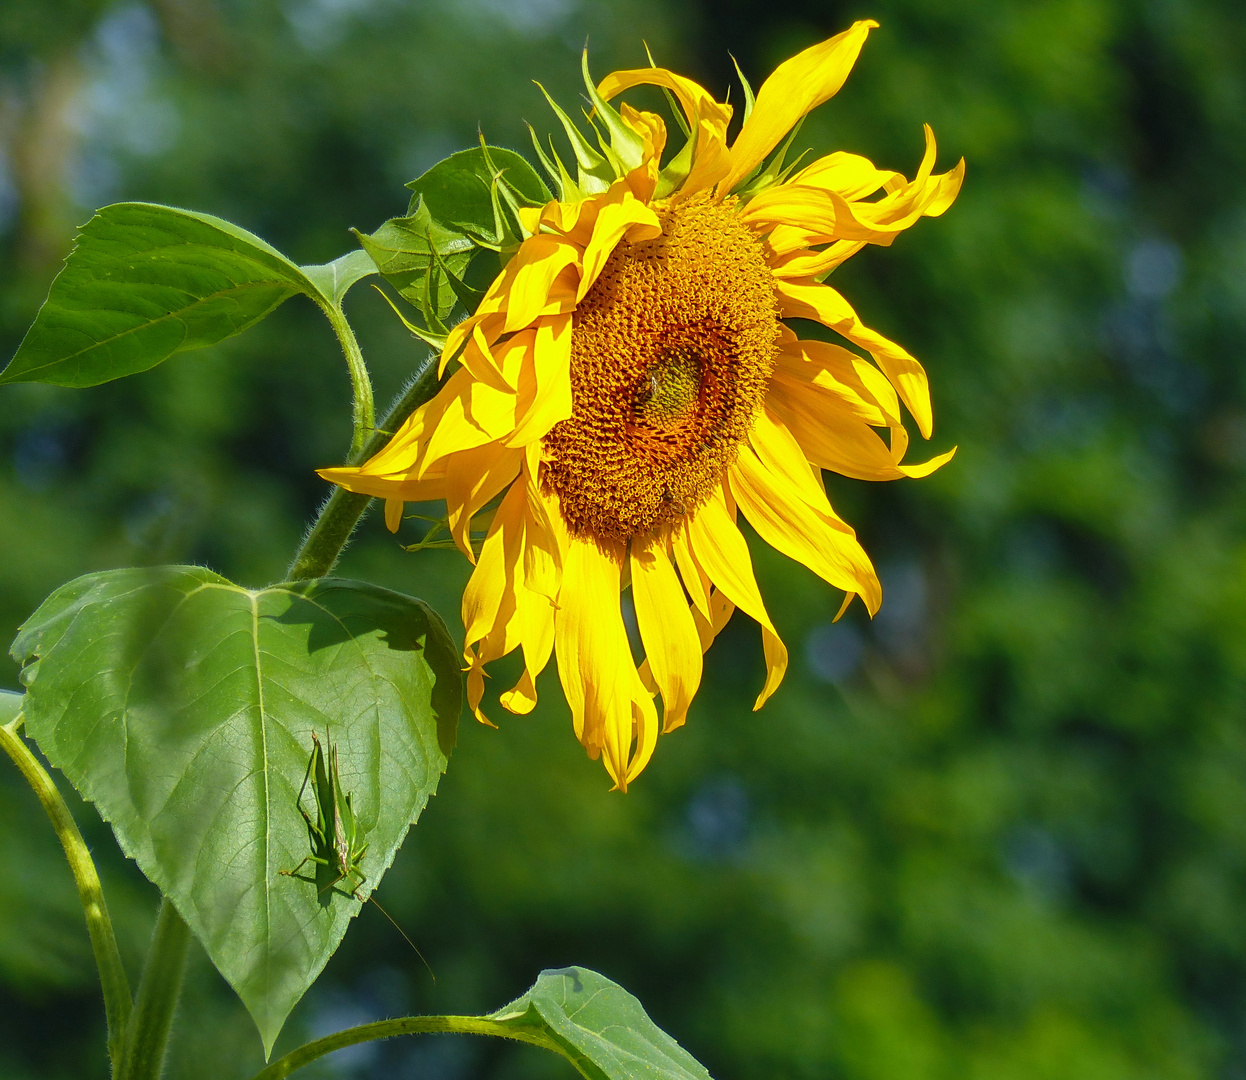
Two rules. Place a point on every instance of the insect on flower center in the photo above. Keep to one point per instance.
(671, 352)
(672, 388)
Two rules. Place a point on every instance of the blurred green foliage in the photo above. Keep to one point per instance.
(998, 833)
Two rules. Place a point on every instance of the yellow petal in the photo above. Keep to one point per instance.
(544, 386)
(473, 477)
(609, 706)
(667, 630)
(649, 126)
(825, 205)
(489, 598)
(796, 86)
(851, 175)
(393, 514)
(537, 263)
(833, 438)
(534, 615)
(789, 524)
(476, 414)
(520, 698)
(806, 300)
(825, 370)
(694, 578)
(621, 215)
(711, 161)
(387, 487)
(720, 549)
(815, 264)
(709, 627)
(697, 102)
(542, 552)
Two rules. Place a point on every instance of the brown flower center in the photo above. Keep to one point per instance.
(671, 352)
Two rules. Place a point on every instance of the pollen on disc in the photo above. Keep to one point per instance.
(671, 352)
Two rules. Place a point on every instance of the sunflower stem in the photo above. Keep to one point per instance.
(117, 1001)
(364, 411)
(408, 1025)
(341, 511)
(147, 1035)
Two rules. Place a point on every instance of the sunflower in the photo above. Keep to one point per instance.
(628, 387)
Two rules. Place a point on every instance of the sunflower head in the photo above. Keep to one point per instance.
(627, 387)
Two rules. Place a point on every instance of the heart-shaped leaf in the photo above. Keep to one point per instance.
(146, 281)
(600, 1027)
(183, 707)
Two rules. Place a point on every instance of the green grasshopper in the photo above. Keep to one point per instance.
(332, 832)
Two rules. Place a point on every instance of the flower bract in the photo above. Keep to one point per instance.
(628, 387)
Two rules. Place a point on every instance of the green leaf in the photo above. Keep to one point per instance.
(457, 191)
(183, 706)
(144, 282)
(461, 206)
(10, 706)
(601, 1027)
(333, 279)
(410, 252)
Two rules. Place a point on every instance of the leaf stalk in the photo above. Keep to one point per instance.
(147, 1034)
(409, 1025)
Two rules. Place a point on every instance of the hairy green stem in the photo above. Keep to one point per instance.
(364, 417)
(117, 1002)
(407, 1025)
(147, 1035)
(341, 511)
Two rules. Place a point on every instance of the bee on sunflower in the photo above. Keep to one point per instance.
(628, 387)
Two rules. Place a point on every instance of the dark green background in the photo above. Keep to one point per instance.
(999, 833)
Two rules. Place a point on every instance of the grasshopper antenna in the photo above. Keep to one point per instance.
(394, 924)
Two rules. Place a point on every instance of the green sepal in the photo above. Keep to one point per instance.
(773, 171)
(626, 148)
(749, 99)
(595, 173)
(464, 205)
(434, 340)
(410, 252)
(459, 191)
(676, 170)
(557, 171)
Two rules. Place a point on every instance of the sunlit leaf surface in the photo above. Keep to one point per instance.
(144, 282)
(183, 707)
(601, 1026)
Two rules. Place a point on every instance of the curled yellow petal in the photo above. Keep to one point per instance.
(821, 303)
(796, 86)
